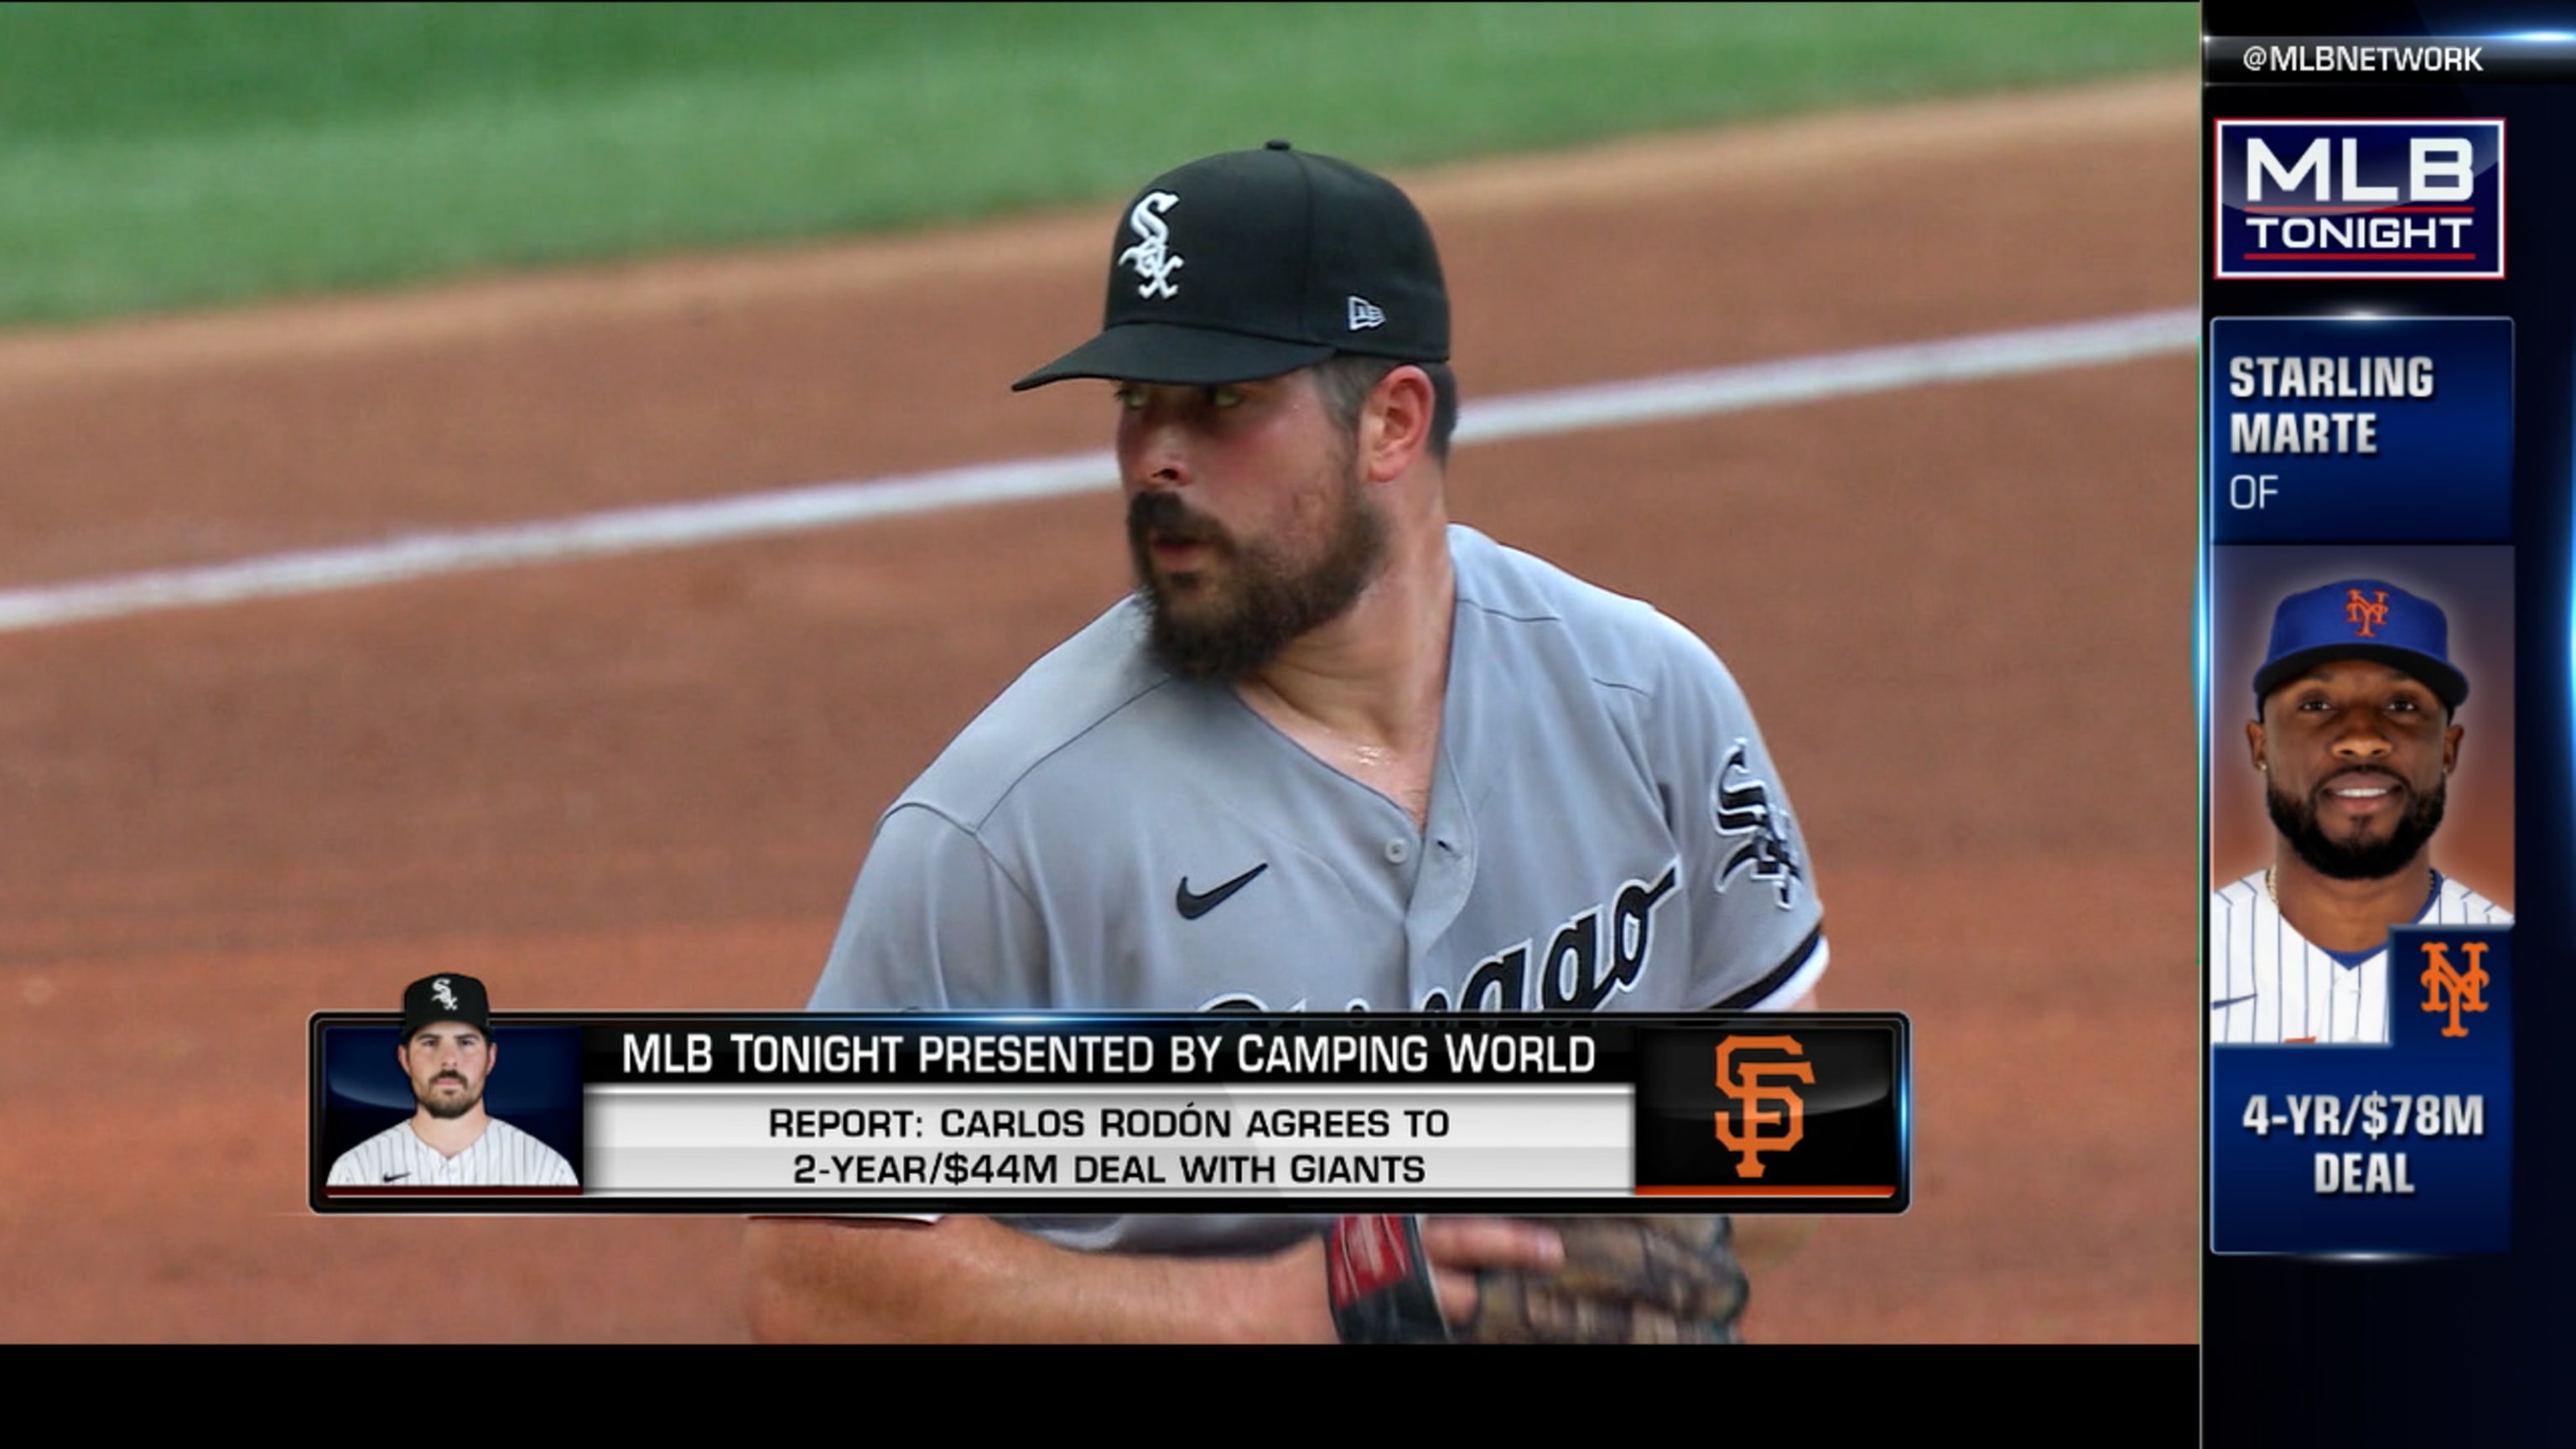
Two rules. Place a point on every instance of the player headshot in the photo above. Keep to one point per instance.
(1335, 752)
(448, 1054)
(2355, 736)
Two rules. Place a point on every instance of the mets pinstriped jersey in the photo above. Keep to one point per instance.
(503, 1156)
(2267, 984)
(1605, 833)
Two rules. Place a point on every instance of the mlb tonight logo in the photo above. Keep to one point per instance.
(2360, 199)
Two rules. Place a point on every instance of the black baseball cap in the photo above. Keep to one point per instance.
(446, 998)
(1253, 263)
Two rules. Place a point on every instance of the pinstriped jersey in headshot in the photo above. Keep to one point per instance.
(503, 1156)
(2268, 984)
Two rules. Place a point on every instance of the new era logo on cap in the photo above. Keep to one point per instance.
(1252, 264)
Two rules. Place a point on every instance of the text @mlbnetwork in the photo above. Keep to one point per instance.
(2355, 59)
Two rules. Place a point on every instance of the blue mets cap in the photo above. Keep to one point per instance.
(2361, 619)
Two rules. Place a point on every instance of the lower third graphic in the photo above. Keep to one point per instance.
(1741, 1109)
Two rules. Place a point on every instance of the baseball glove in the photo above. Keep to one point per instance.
(1624, 1279)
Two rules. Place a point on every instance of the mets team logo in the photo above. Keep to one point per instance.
(2449, 989)
(2359, 198)
(1152, 255)
(446, 997)
(2368, 613)
(1752, 1085)
(1741, 805)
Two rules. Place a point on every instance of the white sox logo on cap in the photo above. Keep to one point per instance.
(445, 997)
(1152, 255)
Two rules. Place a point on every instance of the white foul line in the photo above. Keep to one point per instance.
(826, 505)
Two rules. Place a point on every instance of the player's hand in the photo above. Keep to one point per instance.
(1626, 1278)
(1397, 1278)
(1460, 1248)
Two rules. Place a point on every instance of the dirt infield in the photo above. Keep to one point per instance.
(1961, 611)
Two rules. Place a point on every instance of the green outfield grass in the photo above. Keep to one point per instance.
(161, 155)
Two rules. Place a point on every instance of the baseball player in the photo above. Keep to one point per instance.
(450, 1141)
(1334, 754)
(2356, 734)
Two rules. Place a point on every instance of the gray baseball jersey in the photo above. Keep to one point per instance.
(503, 1156)
(2268, 984)
(1605, 832)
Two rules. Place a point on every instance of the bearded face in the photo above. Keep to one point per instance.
(448, 1064)
(1236, 602)
(2356, 855)
(2357, 757)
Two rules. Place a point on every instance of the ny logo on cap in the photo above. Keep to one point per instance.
(446, 998)
(2368, 613)
(1366, 314)
(1152, 254)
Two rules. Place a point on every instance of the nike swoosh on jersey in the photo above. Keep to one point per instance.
(2231, 1001)
(396, 1176)
(1193, 905)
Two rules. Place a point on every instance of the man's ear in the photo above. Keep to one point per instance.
(1395, 423)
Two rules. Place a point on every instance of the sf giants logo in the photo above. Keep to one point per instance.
(2454, 991)
(1751, 1086)
(1152, 255)
(1742, 806)
(445, 997)
(2369, 613)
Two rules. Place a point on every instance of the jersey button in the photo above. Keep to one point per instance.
(1398, 851)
